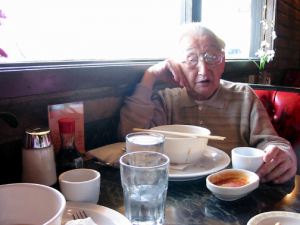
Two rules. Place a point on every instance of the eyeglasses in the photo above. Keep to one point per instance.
(211, 58)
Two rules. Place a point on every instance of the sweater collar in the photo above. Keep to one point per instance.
(216, 101)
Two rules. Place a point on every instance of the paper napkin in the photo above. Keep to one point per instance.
(109, 155)
(87, 221)
(176, 166)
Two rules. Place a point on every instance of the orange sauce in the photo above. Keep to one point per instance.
(232, 182)
(189, 152)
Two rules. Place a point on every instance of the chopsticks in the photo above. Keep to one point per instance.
(182, 134)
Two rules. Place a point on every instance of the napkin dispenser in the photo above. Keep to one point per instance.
(38, 156)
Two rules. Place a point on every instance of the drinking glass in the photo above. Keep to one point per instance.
(144, 177)
(145, 141)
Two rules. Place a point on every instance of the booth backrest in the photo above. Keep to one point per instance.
(291, 78)
(283, 107)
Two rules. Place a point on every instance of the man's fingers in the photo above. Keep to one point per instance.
(286, 176)
(280, 173)
(271, 152)
(177, 73)
(270, 167)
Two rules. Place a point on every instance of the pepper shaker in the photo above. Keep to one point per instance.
(38, 156)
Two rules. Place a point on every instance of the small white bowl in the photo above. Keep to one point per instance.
(184, 150)
(232, 193)
(31, 204)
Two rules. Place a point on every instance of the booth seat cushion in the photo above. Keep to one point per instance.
(283, 107)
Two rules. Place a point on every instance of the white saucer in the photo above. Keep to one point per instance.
(99, 214)
(273, 217)
(213, 161)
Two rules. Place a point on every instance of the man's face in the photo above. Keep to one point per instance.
(203, 79)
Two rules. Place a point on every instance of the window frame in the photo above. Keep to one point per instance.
(78, 69)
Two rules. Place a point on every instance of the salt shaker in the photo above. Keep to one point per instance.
(38, 156)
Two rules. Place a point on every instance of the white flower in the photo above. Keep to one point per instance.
(260, 53)
(270, 54)
(264, 52)
(265, 24)
(264, 43)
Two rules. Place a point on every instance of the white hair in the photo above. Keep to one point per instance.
(199, 29)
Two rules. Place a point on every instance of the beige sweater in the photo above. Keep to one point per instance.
(234, 112)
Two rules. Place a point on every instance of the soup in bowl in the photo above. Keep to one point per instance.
(232, 184)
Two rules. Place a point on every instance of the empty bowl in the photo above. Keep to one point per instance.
(31, 204)
(182, 149)
(232, 184)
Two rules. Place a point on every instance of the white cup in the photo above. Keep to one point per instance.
(80, 185)
(247, 158)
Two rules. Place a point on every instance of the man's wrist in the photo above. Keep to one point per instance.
(148, 79)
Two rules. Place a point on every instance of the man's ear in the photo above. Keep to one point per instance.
(223, 63)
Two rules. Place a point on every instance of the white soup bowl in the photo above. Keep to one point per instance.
(26, 203)
(180, 149)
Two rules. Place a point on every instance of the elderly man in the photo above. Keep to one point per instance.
(227, 109)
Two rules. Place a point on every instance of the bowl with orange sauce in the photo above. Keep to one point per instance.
(232, 184)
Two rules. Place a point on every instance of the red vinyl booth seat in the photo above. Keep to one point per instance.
(283, 107)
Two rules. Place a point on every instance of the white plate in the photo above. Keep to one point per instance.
(284, 218)
(213, 161)
(99, 214)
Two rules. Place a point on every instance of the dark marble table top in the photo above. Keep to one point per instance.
(191, 203)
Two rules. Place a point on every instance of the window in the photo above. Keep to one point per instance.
(232, 20)
(87, 30)
(75, 30)
(237, 22)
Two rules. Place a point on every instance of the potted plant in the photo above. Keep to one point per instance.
(264, 52)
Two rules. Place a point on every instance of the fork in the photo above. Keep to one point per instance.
(102, 163)
(79, 215)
